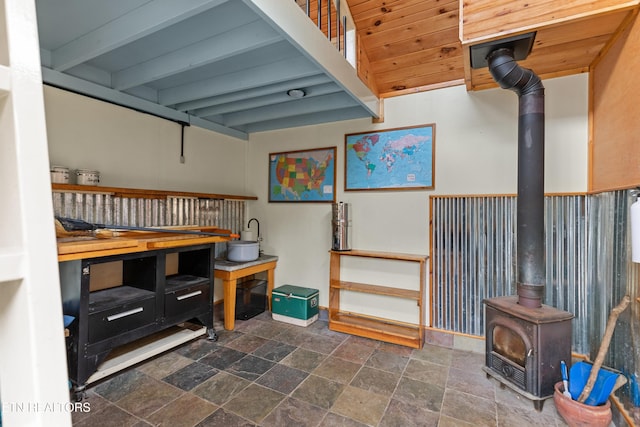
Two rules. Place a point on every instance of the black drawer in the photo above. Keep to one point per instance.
(182, 281)
(183, 300)
(118, 310)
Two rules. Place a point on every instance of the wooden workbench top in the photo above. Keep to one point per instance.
(82, 247)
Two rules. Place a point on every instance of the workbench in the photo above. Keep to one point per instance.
(157, 287)
(230, 272)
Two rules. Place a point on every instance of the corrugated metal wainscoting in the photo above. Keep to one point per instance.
(589, 268)
(105, 208)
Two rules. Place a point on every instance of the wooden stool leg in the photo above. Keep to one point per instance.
(270, 282)
(229, 304)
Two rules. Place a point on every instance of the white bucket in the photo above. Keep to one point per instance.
(59, 175)
(247, 235)
(87, 177)
(242, 250)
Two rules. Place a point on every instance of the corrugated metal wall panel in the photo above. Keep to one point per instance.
(467, 234)
(473, 257)
(144, 212)
(473, 241)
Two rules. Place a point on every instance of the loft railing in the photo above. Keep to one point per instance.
(333, 18)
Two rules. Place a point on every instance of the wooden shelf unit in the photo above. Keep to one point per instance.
(389, 330)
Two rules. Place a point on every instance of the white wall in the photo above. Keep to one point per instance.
(476, 153)
(136, 150)
(476, 149)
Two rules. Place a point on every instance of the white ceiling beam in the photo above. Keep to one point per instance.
(251, 93)
(217, 127)
(240, 40)
(92, 74)
(132, 26)
(262, 101)
(277, 72)
(313, 44)
(93, 90)
(291, 108)
(336, 115)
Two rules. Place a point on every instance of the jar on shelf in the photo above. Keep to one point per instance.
(87, 177)
(59, 175)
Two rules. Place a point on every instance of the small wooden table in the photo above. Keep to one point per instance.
(230, 272)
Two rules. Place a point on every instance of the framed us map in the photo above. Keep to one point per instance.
(393, 159)
(303, 176)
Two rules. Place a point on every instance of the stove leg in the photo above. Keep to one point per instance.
(211, 334)
(538, 405)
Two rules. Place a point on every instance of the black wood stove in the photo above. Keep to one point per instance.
(525, 340)
(524, 346)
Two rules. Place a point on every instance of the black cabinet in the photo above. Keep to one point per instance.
(142, 294)
(185, 294)
(187, 287)
(113, 312)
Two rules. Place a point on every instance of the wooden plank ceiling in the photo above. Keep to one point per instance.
(409, 44)
(414, 45)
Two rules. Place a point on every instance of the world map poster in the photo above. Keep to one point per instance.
(394, 159)
(303, 176)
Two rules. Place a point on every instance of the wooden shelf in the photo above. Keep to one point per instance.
(380, 329)
(142, 193)
(376, 289)
(387, 330)
(383, 255)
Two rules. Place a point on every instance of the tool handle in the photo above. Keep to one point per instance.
(563, 369)
(70, 224)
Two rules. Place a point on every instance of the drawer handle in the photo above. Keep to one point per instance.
(124, 314)
(192, 294)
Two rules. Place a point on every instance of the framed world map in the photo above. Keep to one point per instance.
(392, 159)
(303, 176)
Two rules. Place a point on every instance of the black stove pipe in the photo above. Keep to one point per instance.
(530, 252)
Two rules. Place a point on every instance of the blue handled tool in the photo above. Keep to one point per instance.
(565, 379)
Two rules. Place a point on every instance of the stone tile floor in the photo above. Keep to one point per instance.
(269, 373)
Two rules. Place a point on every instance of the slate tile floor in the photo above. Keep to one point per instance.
(268, 373)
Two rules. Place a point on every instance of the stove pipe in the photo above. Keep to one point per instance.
(530, 252)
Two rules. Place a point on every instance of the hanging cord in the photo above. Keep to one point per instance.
(182, 143)
(183, 124)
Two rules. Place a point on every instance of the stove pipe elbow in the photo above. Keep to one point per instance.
(530, 252)
(509, 75)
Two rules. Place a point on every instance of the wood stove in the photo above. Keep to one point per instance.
(525, 340)
(524, 346)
